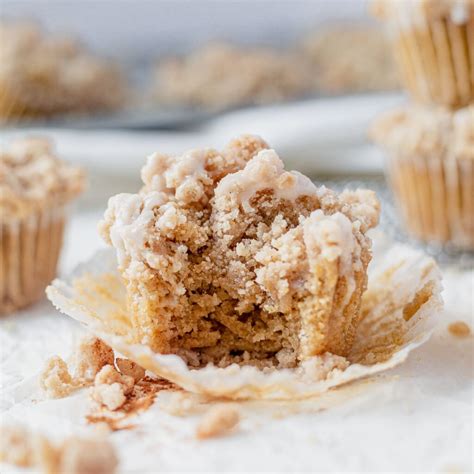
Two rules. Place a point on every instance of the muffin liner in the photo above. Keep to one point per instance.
(436, 59)
(435, 198)
(398, 314)
(30, 249)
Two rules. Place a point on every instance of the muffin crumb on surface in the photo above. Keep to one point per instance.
(459, 329)
(218, 421)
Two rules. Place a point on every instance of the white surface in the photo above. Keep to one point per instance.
(313, 136)
(418, 417)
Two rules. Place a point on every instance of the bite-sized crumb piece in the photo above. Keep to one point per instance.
(91, 355)
(111, 387)
(55, 378)
(87, 456)
(218, 421)
(459, 329)
(20, 447)
(179, 404)
(130, 368)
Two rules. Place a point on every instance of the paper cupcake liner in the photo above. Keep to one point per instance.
(435, 198)
(398, 314)
(436, 61)
(30, 249)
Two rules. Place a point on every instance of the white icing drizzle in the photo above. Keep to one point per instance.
(265, 172)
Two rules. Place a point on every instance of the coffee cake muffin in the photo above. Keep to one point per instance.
(229, 258)
(434, 44)
(350, 58)
(35, 187)
(431, 168)
(42, 76)
(221, 75)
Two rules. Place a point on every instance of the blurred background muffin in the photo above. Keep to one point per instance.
(434, 44)
(35, 189)
(42, 75)
(350, 57)
(430, 165)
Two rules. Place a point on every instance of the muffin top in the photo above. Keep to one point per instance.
(412, 11)
(427, 131)
(32, 179)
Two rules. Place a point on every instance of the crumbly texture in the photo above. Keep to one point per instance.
(222, 75)
(130, 368)
(92, 354)
(56, 380)
(33, 178)
(428, 132)
(350, 58)
(229, 258)
(218, 421)
(111, 387)
(42, 75)
(459, 329)
(21, 447)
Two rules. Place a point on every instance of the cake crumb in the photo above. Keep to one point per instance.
(24, 448)
(91, 355)
(218, 421)
(55, 378)
(459, 329)
(179, 404)
(111, 387)
(80, 456)
(130, 368)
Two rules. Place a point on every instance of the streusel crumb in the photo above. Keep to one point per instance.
(55, 378)
(91, 456)
(228, 258)
(91, 355)
(459, 329)
(218, 421)
(111, 387)
(130, 368)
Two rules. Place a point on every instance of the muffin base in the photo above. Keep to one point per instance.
(435, 198)
(30, 251)
(437, 62)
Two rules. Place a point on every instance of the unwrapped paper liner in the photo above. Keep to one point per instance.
(399, 312)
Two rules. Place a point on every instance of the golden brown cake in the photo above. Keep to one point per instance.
(229, 258)
(41, 76)
(431, 169)
(35, 187)
(350, 58)
(434, 45)
(222, 75)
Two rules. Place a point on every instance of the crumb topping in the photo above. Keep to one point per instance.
(32, 177)
(459, 329)
(111, 387)
(229, 258)
(75, 455)
(56, 380)
(218, 421)
(428, 132)
(92, 354)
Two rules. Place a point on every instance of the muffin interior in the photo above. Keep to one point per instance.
(229, 258)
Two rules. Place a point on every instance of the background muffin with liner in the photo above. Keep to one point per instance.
(431, 169)
(35, 188)
(433, 41)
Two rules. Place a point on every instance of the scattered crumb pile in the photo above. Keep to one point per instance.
(459, 329)
(75, 455)
(218, 421)
(229, 258)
